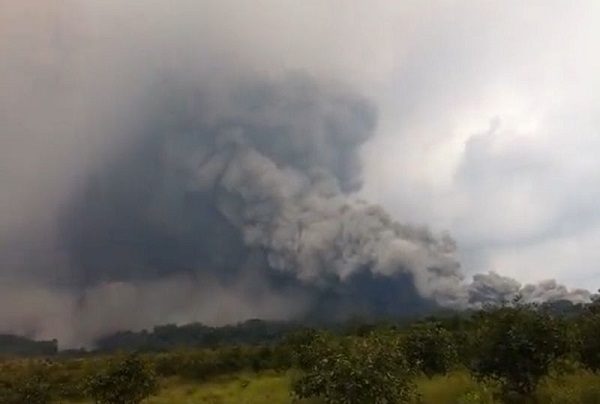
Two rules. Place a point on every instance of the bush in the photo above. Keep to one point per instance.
(29, 387)
(356, 371)
(307, 346)
(580, 387)
(589, 342)
(516, 346)
(430, 348)
(127, 381)
(457, 387)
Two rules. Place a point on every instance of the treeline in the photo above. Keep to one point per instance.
(126, 378)
(168, 337)
(159, 339)
(511, 349)
(251, 332)
(13, 345)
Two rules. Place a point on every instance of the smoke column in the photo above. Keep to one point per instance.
(152, 172)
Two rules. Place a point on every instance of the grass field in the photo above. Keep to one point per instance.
(455, 388)
(274, 388)
(243, 388)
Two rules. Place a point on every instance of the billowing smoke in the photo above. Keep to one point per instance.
(259, 189)
(197, 195)
(492, 288)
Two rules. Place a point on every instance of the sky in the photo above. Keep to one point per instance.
(487, 117)
(491, 130)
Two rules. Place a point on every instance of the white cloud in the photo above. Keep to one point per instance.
(491, 130)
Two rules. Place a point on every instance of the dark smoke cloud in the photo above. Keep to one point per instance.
(144, 186)
(259, 187)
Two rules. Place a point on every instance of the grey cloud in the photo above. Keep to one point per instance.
(492, 288)
(163, 157)
(258, 189)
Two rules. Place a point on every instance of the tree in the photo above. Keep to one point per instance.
(430, 348)
(588, 344)
(127, 381)
(516, 346)
(356, 371)
(307, 347)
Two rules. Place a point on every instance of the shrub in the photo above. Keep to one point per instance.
(430, 349)
(29, 387)
(308, 346)
(457, 387)
(516, 346)
(588, 341)
(127, 381)
(579, 387)
(356, 371)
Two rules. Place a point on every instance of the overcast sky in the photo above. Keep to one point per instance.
(489, 111)
(491, 129)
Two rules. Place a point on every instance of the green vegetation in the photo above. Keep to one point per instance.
(517, 353)
(25, 387)
(249, 388)
(588, 337)
(351, 370)
(11, 345)
(578, 387)
(165, 337)
(430, 348)
(125, 381)
(516, 346)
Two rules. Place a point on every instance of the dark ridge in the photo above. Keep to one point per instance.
(13, 345)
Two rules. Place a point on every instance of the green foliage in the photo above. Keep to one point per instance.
(430, 348)
(165, 337)
(524, 353)
(589, 339)
(475, 397)
(26, 386)
(516, 346)
(238, 388)
(579, 387)
(12, 345)
(456, 387)
(308, 346)
(127, 381)
(356, 371)
(202, 364)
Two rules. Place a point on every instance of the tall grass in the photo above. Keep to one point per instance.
(454, 388)
(458, 387)
(274, 388)
(244, 388)
(582, 387)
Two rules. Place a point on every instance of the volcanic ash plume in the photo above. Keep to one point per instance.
(492, 288)
(261, 186)
(239, 202)
(260, 191)
(160, 164)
